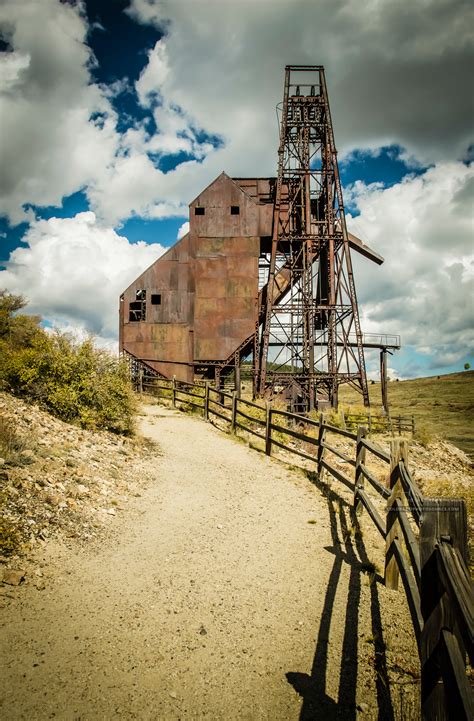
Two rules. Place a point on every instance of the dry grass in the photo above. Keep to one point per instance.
(442, 405)
(11, 442)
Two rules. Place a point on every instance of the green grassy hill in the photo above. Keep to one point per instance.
(441, 405)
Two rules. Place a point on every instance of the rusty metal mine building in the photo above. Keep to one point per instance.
(262, 283)
(194, 307)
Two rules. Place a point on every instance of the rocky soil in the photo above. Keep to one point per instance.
(58, 481)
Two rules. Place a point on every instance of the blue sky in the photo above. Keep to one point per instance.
(118, 113)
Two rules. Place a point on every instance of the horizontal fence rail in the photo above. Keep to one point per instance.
(425, 538)
(390, 424)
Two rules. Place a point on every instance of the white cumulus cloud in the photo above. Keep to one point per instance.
(183, 230)
(423, 228)
(50, 145)
(73, 270)
(397, 72)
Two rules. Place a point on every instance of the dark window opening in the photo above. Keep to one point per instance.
(137, 308)
(199, 211)
(235, 210)
(156, 299)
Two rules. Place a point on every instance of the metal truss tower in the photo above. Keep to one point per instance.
(309, 339)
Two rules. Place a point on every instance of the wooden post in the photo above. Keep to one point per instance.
(174, 391)
(268, 430)
(383, 379)
(398, 453)
(237, 374)
(360, 459)
(321, 437)
(234, 411)
(140, 381)
(343, 419)
(206, 402)
(217, 383)
(443, 521)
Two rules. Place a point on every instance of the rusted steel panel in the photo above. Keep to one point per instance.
(206, 247)
(207, 283)
(265, 220)
(260, 189)
(221, 324)
(181, 371)
(167, 343)
(217, 202)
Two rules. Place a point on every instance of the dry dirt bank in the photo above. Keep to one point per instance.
(231, 588)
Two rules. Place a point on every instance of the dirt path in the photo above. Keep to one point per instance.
(228, 573)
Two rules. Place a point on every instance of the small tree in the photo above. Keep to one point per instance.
(467, 366)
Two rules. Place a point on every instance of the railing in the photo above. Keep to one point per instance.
(425, 538)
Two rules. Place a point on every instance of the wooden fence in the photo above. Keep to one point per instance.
(388, 424)
(425, 538)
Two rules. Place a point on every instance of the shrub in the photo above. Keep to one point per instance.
(74, 381)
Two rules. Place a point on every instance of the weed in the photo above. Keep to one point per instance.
(423, 436)
(10, 535)
(10, 441)
(10, 538)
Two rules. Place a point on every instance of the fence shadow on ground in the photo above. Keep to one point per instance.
(312, 687)
(426, 550)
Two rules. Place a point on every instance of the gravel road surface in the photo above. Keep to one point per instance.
(231, 588)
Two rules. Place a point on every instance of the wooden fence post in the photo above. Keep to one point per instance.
(237, 374)
(360, 459)
(234, 411)
(321, 437)
(140, 381)
(443, 520)
(398, 453)
(343, 419)
(174, 391)
(268, 430)
(206, 402)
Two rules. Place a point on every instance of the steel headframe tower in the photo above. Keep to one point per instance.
(309, 341)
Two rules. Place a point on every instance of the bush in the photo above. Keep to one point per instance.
(74, 381)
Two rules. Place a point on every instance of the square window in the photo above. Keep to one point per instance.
(137, 308)
(235, 210)
(156, 298)
(199, 211)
